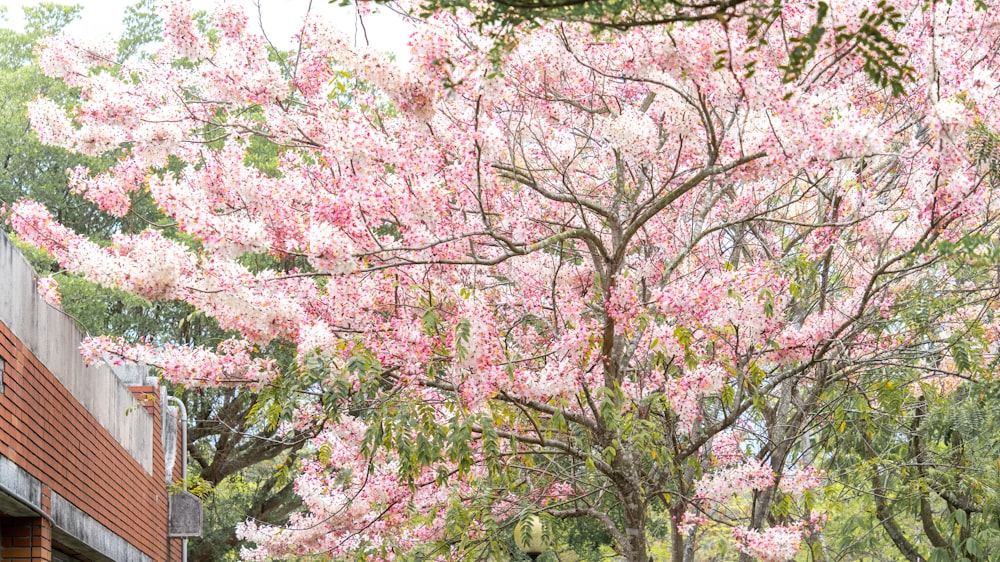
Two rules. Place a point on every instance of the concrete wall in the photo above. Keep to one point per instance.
(53, 338)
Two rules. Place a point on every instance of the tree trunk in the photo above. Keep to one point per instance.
(636, 549)
(676, 538)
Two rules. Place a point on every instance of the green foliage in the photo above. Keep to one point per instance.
(192, 484)
(236, 463)
(883, 59)
(902, 437)
(26, 166)
(880, 54)
(805, 46)
(236, 497)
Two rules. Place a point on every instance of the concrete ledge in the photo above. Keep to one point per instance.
(21, 496)
(53, 337)
(20, 492)
(74, 528)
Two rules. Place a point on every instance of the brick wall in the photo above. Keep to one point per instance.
(48, 434)
(26, 539)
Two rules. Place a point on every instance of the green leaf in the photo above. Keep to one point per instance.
(973, 547)
(609, 454)
(463, 333)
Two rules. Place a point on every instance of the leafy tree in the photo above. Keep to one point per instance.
(228, 440)
(917, 438)
(853, 28)
(31, 168)
(617, 281)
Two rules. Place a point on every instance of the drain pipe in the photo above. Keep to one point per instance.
(182, 409)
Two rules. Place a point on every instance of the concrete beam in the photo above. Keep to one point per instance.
(81, 532)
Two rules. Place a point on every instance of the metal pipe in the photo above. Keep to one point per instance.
(182, 409)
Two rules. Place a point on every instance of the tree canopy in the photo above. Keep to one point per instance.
(610, 276)
(232, 446)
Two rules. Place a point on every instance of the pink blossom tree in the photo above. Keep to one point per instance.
(617, 273)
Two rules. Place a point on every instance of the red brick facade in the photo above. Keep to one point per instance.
(49, 435)
(25, 538)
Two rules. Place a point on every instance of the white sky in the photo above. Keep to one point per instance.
(102, 18)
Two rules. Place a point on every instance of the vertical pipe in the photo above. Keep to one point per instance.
(182, 409)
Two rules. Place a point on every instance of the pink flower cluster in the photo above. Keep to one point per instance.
(726, 448)
(722, 484)
(231, 363)
(594, 214)
(801, 480)
(49, 289)
(774, 544)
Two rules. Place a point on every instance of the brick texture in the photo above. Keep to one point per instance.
(25, 539)
(46, 432)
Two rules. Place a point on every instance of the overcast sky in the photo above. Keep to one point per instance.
(280, 18)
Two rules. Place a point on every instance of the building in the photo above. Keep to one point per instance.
(85, 452)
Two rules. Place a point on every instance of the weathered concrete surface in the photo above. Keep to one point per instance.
(20, 492)
(170, 433)
(21, 496)
(74, 528)
(185, 515)
(54, 339)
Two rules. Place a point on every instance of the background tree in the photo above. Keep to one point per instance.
(230, 440)
(617, 275)
(914, 440)
(31, 168)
